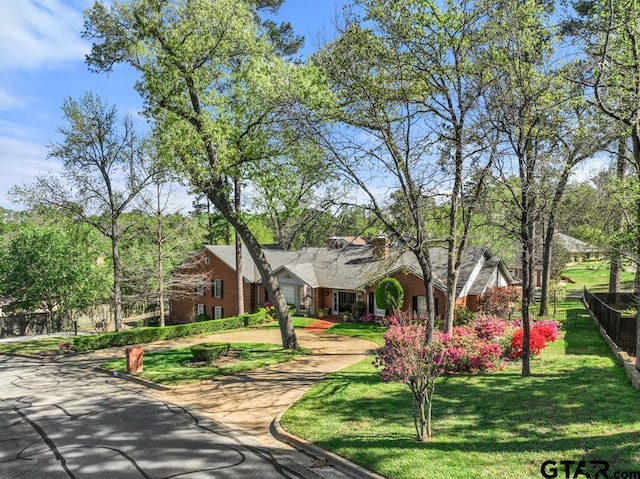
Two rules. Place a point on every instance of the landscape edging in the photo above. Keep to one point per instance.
(337, 461)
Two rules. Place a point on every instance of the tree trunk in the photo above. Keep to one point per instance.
(217, 195)
(117, 274)
(160, 256)
(615, 268)
(239, 276)
(635, 139)
(528, 280)
(547, 251)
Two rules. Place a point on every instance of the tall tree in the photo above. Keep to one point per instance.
(610, 35)
(441, 43)
(104, 169)
(222, 96)
(408, 80)
(524, 102)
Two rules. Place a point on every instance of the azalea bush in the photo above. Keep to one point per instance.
(540, 335)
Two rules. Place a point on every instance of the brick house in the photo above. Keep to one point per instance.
(332, 279)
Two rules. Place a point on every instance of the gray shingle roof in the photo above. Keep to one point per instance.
(350, 268)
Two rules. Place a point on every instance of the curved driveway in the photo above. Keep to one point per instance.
(58, 419)
(250, 401)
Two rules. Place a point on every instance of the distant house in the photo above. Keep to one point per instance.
(578, 250)
(332, 279)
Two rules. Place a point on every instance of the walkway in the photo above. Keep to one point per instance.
(249, 401)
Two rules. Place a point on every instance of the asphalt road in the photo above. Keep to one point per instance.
(62, 422)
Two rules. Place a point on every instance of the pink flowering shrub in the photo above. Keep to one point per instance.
(499, 300)
(475, 347)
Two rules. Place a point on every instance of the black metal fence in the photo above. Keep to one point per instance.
(620, 328)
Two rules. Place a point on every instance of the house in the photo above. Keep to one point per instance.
(578, 250)
(332, 279)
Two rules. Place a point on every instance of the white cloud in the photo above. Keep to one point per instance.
(11, 100)
(37, 34)
(23, 157)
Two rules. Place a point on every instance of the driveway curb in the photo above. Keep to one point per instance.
(130, 377)
(339, 462)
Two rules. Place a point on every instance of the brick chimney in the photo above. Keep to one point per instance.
(380, 244)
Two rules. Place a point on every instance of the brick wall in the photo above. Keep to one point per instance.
(414, 286)
(184, 307)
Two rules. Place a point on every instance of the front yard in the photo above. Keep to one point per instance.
(578, 404)
(177, 366)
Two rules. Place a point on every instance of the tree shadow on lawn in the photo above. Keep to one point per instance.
(588, 408)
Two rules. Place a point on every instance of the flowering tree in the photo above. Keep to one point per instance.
(480, 346)
(406, 358)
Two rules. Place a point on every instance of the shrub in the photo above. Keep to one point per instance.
(209, 352)
(463, 315)
(358, 310)
(499, 300)
(389, 294)
(150, 334)
(540, 335)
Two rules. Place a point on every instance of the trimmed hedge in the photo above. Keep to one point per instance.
(209, 352)
(150, 334)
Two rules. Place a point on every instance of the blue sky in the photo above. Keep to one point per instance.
(42, 63)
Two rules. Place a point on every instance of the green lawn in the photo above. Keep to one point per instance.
(298, 322)
(578, 404)
(595, 276)
(35, 346)
(176, 367)
(372, 332)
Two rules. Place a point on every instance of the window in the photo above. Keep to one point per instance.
(200, 289)
(343, 301)
(217, 288)
(289, 292)
(201, 309)
(217, 312)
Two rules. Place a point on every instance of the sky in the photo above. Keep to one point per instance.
(42, 64)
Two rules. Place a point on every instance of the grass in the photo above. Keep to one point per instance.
(577, 404)
(298, 322)
(175, 366)
(35, 346)
(372, 332)
(595, 276)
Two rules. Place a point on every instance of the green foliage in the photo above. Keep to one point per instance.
(150, 334)
(463, 315)
(389, 294)
(209, 352)
(52, 268)
(358, 309)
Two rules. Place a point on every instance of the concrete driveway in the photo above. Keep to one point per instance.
(60, 419)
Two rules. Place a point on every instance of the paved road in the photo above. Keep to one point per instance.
(58, 421)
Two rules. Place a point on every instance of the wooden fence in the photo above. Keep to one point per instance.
(621, 329)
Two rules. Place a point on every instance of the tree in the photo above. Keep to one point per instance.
(220, 98)
(409, 87)
(407, 359)
(524, 103)
(52, 268)
(158, 241)
(609, 31)
(104, 170)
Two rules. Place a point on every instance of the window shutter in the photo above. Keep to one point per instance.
(414, 304)
(222, 288)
